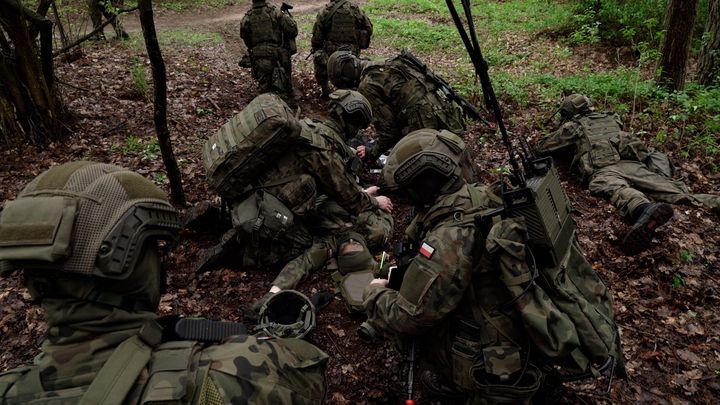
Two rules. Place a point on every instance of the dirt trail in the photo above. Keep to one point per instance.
(165, 19)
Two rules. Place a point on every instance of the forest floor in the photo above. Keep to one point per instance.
(666, 298)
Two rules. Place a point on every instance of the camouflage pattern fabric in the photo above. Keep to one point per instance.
(404, 101)
(440, 297)
(267, 33)
(337, 27)
(343, 205)
(640, 175)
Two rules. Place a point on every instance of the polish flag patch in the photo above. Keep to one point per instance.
(427, 250)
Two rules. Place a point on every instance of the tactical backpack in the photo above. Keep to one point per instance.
(253, 139)
(342, 27)
(262, 27)
(601, 135)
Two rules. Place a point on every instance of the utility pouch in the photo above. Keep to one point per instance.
(279, 78)
(603, 153)
(37, 228)
(351, 288)
(490, 391)
(462, 357)
(261, 216)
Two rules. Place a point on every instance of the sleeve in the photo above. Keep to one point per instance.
(386, 125)
(244, 34)
(365, 23)
(564, 137)
(434, 285)
(288, 24)
(318, 36)
(329, 171)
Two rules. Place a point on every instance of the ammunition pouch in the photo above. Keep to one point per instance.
(519, 390)
(261, 216)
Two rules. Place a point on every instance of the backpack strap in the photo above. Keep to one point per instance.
(118, 374)
(335, 8)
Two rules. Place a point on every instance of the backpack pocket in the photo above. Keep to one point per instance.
(261, 216)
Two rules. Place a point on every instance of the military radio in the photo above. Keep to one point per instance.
(535, 192)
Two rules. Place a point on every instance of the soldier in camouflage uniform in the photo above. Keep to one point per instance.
(99, 8)
(341, 25)
(85, 234)
(619, 167)
(269, 35)
(449, 297)
(402, 98)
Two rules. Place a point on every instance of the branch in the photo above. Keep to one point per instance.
(92, 33)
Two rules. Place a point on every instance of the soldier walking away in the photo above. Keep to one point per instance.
(269, 35)
(86, 237)
(619, 167)
(402, 95)
(107, 8)
(341, 25)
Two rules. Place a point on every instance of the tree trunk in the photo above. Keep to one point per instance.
(160, 84)
(29, 108)
(709, 60)
(679, 22)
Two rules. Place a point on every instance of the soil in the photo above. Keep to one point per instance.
(666, 298)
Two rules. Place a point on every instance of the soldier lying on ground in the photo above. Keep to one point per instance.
(402, 96)
(86, 236)
(269, 35)
(619, 167)
(341, 25)
(314, 182)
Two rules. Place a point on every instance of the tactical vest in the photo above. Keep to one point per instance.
(343, 23)
(598, 149)
(422, 104)
(263, 27)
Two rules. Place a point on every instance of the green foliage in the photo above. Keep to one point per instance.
(139, 76)
(687, 256)
(385, 7)
(160, 178)
(135, 146)
(203, 111)
(678, 281)
(182, 5)
(418, 35)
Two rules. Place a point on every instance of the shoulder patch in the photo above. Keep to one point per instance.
(427, 250)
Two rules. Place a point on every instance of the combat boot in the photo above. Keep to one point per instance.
(441, 390)
(223, 254)
(325, 91)
(650, 216)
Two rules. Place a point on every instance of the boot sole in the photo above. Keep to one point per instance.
(641, 234)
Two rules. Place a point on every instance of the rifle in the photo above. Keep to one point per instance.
(468, 108)
(285, 8)
(288, 43)
(535, 192)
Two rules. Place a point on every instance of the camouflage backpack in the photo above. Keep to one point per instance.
(263, 28)
(248, 143)
(342, 26)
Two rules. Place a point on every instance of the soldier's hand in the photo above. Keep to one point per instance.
(372, 190)
(384, 203)
(381, 282)
(360, 151)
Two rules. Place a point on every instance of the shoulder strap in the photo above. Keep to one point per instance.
(125, 364)
(335, 8)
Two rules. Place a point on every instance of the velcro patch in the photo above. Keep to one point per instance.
(427, 250)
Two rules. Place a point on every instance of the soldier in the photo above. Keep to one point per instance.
(402, 97)
(452, 281)
(269, 35)
(86, 236)
(334, 215)
(619, 167)
(341, 25)
(107, 8)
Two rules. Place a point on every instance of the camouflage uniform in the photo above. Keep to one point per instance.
(99, 293)
(269, 35)
(451, 288)
(99, 8)
(320, 170)
(617, 165)
(341, 25)
(403, 100)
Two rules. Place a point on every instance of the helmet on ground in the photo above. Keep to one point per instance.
(351, 107)
(87, 221)
(344, 69)
(574, 104)
(287, 313)
(425, 163)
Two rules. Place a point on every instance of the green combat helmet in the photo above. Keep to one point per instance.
(351, 109)
(88, 221)
(425, 163)
(287, 313)
(574, 104)
(344, 69)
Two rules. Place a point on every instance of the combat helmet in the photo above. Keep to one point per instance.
(574, 104)
(425, 163)
(85, 221)
(344, 69)
(287, 313)
(352, 109)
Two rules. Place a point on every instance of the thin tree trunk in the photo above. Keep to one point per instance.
(679, 22)
(709, 61)
(160, 83)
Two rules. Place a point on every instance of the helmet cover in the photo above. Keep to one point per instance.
(344, 69)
